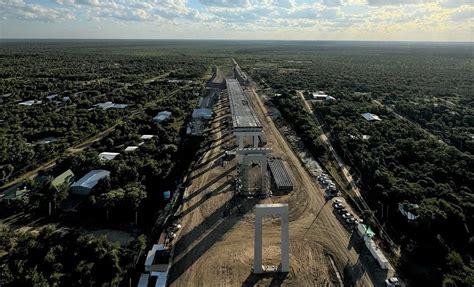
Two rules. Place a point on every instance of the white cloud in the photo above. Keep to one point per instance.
(19, 9)
(455, 3)
(398, 2)
(289, 4)
(255, 17)
(226, 3)
(462, 14)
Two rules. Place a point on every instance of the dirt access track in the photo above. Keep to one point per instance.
(215, 245)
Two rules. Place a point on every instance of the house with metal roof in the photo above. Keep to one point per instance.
(131, 148)
(30, 103)
(146, 137)
(66, 177)
(162, 116)
(371, 117)
(84, 185)
(105, 156)
(109, 105)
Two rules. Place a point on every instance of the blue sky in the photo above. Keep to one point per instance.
(423, 20)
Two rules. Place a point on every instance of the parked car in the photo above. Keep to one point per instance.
(342, 211)
(346, 215)
(351, 221)
(392, 282)
(338, 205)
(337, 201)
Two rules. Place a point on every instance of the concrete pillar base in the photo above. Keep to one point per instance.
(262, 210)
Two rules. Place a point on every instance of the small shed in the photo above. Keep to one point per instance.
(30, 103)
(371, 117)
(318, 95)
(105, 156)
(105, 105)
(51, 97)
(408, 210)
(84, 185)
(131, 148)
(162, 116)
(146, 137)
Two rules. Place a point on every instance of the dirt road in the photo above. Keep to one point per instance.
(215, 245)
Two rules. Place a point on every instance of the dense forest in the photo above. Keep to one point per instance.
(77, 78)
(67, 81)
(55, 258)
(418, 155)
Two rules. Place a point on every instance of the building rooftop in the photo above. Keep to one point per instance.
(280, 174)
(92, 178)
(108, 155)
(65, 177)
(51, 97)
(243, 116)
(110, 105)
(162, 116)
(131, 148)
(146, 137)
(371, 117)
(30, 103)
(143, 280)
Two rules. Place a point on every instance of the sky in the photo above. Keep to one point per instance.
(372, 20)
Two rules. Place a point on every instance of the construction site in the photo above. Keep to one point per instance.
(250, 189)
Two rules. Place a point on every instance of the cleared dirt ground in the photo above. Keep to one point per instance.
(215, 245)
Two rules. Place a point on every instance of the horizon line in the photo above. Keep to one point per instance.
(246, 40)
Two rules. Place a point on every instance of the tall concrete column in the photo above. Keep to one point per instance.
(240, 141)
(255, 140)
(257, 255)
(285, 252)
(262, 210)
(263, 165)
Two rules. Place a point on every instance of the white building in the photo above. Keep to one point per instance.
(87, 182)
(146, 137)
(131, 148)
(30, 103)
(371, 117)
(109, 105)
(108, 155)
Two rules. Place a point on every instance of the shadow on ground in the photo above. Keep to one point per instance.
(275, 278)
